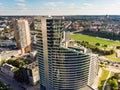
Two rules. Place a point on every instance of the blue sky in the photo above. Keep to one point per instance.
(59, 7)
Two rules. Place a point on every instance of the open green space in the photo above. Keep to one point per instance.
(104, 45)
(94, 40)
(103, 78)
(112, 57)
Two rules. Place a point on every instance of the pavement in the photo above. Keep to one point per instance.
(7, 80)
(112, 69)
(96, 82)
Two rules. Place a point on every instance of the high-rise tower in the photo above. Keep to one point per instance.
(22, 35)
(61, 68)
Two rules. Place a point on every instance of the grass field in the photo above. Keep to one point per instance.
(113, 57)
(103, 77)
(94, 39)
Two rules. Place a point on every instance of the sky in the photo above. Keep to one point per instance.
(59, 7)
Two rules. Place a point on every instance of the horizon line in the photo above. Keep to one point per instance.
(64, 15)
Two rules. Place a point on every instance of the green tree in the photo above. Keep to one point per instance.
(104, 45)
(18, 75)
(4, 87)
(117, 47)
(113, 83)
(17, 63)
(117, 76)
(2, 62)
(97, 44)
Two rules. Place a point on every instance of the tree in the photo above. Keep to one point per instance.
(96, 49)
(4, 87)
(17, 63)
(117, 47)
(97, 44)
(117, 76)
(2, 62)
(104, 45)
(112, 51)
(18, 75)
(113, 83)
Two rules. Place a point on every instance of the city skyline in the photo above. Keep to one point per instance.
(53, 7)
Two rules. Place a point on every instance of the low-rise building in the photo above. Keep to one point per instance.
(31, 73)
(118, 53)
(8, 69)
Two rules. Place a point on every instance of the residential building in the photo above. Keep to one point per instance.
(31, 73)
(8, 69)
(22, 35)
(60, 68)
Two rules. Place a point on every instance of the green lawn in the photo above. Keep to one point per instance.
(113, 57)
(103, 78)
(94, 39)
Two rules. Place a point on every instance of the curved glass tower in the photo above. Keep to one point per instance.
(60, 68)
(71, 70)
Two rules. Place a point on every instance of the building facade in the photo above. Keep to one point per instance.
(22, 35)
(8, 69)
(60, 68)
(31, 73)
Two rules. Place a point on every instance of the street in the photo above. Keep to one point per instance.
(7, 80)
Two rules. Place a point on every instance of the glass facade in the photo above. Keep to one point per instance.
(60, 68)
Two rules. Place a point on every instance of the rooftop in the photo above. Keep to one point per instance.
(32, 65)
(8, 66)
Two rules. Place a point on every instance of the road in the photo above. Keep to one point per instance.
(9, 81)
(68, 25)
(113, 69)
(14, 84)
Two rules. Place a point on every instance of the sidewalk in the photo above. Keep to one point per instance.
(96, 82)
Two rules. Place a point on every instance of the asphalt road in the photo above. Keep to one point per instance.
(14, 84)
(9, 81)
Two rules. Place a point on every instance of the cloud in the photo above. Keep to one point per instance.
(21, 4)
(53, 4)
(60, 8)
(1, 4)
(87, 4)
(20, 0)
(73, 6)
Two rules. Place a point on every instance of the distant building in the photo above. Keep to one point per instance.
(22, 35)
(118, 53)
(4, 55)
(1, 29)
(31, 73)
(8, 69)
(66, 37)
